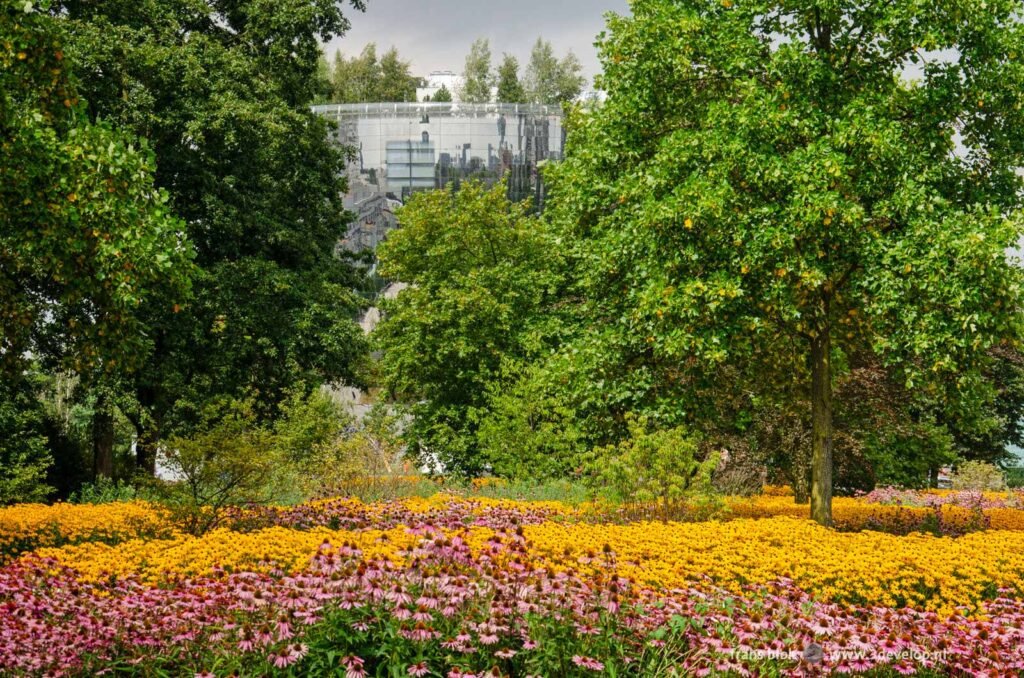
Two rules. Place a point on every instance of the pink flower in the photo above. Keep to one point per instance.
(587, 663)
(418, 670)
(353, 666)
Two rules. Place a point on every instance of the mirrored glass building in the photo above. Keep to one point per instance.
(399, 149)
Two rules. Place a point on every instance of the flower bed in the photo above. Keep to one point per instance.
(452, 609)
(25, 527)
(461, 587)
(942, 575)
(441, 510)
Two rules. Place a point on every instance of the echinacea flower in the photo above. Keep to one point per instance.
(417, 670)
(353, 667)
(587, 663)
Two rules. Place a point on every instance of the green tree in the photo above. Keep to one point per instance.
(397, 82)
(527, 429)
(764, 187)
(442, 95)
(325, 88)
(342, 85)
(365, 75)
(510, 90)
(87, 242)
(223, 97)
(367, 79)
(549, 80)
(665, 467)
(478, 79)
(85, 237)
(478, 267)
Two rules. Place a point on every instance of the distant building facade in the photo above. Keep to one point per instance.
(399, 149)
(450, 80)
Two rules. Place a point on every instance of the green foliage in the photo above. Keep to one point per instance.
(329, 451)
(230, 461)
(978, 475)
(314, 448)
(24, 458)
(367, 79)
(550, 80)
(106, 491)
(906, 461)
(569, 492)
(510, 90)
(764, 190)
(325, 88)
(442, 95)
(526, 431)
(364, 461)
(664, 467)
(222, 92)
(85, 237)
(479, 270)
(308, 423)
(1015, 477)
(478, 78)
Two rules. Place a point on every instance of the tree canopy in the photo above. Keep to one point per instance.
(222, 95)
(510, 89)
(442, 95)
(792, 190)
(550, 80)
(479, 268)
(367, 78)
(477, 75)
(85, 237)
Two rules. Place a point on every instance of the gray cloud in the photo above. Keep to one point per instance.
(436, 34)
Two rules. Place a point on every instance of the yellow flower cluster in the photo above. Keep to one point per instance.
(28, 526)
(850, 513)
(477, 505)
(777, 490)
(932, 573)
(156, 560)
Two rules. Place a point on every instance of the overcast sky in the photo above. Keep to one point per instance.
(436, 34)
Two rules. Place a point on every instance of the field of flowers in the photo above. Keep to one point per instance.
(469, 586)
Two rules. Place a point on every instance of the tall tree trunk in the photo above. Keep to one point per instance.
(821, 429)
(103, 439)
(145, 450)
(933, 477)
(801, 486)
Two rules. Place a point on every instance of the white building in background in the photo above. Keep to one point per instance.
(448, 79)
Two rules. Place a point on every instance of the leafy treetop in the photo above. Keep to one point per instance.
(784, 187)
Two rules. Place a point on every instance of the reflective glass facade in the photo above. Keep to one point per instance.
(403, 148)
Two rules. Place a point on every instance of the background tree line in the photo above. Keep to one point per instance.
(367, 78)
(547, 79)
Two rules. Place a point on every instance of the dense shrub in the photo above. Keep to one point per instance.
(660, 467)
(24, 458)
